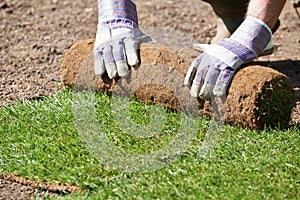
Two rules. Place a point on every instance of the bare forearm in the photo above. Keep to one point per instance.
(267, 11)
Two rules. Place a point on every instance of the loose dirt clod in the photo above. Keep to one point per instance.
(258, 96)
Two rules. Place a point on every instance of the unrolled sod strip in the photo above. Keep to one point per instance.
(258, 96)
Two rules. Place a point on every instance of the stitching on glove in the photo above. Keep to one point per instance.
(117, 24)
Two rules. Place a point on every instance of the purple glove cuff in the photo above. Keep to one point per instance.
(115, 10)
(249, 40)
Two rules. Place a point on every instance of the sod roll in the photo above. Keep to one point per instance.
(258, 96)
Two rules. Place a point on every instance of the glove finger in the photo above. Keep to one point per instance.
(199, 78)
(120, 58)
(201, 47)
(142, 37)
(110, 65)
(99, 65)
(122, 68)
(130, 45)
(223, 82)
(131, 49)
(148, 39)
(195, 88)
(191, 73)
(209, 83)
(203, 68)
(269, 50)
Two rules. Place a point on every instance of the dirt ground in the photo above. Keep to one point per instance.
(15, 191)
(35, 34)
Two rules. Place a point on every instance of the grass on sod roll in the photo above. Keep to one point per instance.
(39, 140)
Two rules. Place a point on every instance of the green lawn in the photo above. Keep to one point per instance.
(43, 140)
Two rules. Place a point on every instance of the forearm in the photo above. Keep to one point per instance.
(267, 11)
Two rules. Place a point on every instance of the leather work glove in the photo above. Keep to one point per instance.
(117, 38)
(212, 71)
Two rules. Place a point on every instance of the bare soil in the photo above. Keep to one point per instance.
(34, 35)
(16, 191)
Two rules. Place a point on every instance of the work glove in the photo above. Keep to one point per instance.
(118, 38)
(211, 72)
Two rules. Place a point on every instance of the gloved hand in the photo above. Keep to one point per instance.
(118, 38)
(212, 72)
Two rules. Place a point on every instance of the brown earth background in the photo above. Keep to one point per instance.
(35, 34)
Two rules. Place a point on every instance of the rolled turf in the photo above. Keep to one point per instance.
(258, 96)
